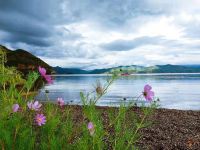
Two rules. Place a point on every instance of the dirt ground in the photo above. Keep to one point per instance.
(171, 129)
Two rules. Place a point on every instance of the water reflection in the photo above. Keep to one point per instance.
(174, 91)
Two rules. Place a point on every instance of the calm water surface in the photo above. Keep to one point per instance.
(175, 91)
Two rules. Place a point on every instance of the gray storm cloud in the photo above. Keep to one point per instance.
(92, 31)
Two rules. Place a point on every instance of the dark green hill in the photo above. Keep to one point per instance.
(134, 69)
(24, 61)
(60, 70)
(176, 69)
(162, 69)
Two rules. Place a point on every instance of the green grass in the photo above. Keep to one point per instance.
(65, 128)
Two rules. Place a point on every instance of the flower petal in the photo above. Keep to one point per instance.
(15, 107)
(42, 71)
(147, 87)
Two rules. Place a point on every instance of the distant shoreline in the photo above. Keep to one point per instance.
(136, 74)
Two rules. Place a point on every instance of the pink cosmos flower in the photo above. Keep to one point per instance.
(15, 107)
(60, 102)
(40, 119)
(91, 129)
(44, 75)
(42, 71)
(147, 93)
(48, 79)
(34, 105)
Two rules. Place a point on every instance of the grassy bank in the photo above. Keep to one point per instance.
(28, 124)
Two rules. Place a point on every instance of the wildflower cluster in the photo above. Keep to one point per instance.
(29, 124)
(35, 106)
(40, 119)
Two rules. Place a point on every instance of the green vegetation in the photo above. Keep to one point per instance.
(27, 124)
(23, 61)
(158, 69)
(133, 69)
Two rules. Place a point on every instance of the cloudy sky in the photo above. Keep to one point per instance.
(103, 33)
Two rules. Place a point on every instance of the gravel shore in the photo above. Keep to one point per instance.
(171, 129)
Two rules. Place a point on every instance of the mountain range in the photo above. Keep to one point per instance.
(25, 62)
(134, 69)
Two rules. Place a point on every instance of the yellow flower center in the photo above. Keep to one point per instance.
(39, 119)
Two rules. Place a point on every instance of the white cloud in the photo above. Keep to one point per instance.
(149, 32)
(163, 26)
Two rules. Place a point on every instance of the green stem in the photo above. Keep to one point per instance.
(105, 89)
(21, 90)
(93, 143)
(138, 127)
(27, 94)
(2, 145)
(15, 135)
(47, 96)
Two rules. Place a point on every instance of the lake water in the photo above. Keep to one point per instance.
(175, 91)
